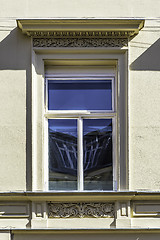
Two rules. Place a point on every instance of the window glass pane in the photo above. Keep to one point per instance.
(62, 154)
(97, 154)
(80, 95)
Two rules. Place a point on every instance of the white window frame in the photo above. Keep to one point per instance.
(79, 115)
(110, 57)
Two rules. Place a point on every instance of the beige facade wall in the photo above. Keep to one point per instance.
(132, 208)
(79, 9)
(144, 117)
(15, 94)
(15, 61)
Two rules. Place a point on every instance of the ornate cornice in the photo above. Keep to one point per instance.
(80, 210)
(80, 32)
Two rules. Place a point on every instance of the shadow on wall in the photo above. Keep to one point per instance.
(15, 51)
(149, 60)
(15, 54)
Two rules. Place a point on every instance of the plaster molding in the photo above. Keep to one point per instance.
(80, 210)
(14, 210)
(81, 28)
(82, 25)
(85, 196)
(146, 209)
(124, 209)
(80, 42)
(80, 34)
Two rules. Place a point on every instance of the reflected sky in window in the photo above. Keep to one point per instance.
(66, 126)
(90, 125)
(80, 95)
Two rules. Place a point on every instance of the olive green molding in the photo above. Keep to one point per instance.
(80, 32)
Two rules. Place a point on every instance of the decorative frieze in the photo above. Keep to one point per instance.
(80, 38)
(80, 42)
(80, 210)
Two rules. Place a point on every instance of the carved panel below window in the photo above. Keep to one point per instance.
(80, 210)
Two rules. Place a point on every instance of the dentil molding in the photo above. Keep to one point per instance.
(80, 34)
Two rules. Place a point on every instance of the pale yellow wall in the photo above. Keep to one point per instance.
(15, 90)
(79, 8)
(14, 87)
(5, 235)
(144, 110)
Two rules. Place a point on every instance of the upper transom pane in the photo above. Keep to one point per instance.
(81, 94)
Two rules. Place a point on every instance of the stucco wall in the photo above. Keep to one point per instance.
(79, 8)
(15, 103)
(15, 90)
(144, 111)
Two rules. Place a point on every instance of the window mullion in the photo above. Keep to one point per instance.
(80, 176)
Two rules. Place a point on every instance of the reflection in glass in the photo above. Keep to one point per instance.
(62, 154)
(80, 95)
(97, 157)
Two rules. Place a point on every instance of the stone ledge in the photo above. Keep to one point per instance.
(80, 196)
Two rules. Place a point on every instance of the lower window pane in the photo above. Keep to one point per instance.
(97, 159)
(62, 154)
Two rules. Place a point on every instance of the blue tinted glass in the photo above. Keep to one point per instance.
(80, 95)
(62, 154)
(97, 157)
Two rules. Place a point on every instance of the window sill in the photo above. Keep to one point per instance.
(80, 196)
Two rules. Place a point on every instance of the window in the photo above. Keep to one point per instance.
(73, 40)
(81, 129)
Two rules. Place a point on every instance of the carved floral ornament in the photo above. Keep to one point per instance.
(79, 42)
(48, 33)
(80, 210)
(80, 39)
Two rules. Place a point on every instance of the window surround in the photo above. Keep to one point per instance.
(86, 40)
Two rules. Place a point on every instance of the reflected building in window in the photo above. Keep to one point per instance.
(97, 156)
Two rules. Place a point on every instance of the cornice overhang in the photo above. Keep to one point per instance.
(80, 32)
(48, 27)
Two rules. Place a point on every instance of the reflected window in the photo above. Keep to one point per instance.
(62, 154)
(97, 159)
